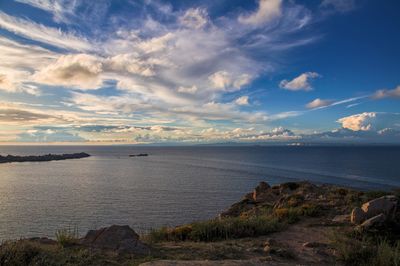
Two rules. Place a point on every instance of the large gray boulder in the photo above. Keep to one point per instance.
(120, 238)
(386, 205)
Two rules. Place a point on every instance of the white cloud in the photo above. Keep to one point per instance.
(79, 70)
(358, 122)
(190, 90)
(166, 72)
(130, 63)
(61, 9)
(225, 81)
(371, 121)
(195, 18)
(243, 100)
(380, 94)
(267, 11)
(299, 83)
(318, 103)
(41, 33)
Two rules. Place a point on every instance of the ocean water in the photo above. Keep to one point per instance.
(172, 186)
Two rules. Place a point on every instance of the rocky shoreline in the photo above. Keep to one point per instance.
(42, 158)
(295, 223)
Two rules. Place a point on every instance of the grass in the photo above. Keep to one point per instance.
(235, 227)
(369, 250)
(67, 237)
(219, 229)
(28, 253)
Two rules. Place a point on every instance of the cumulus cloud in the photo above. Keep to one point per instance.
(381, 94)
(300, 83)
(318, 103)
(80, 70)
(243, 100)
(48, 135)
(225, 81)
(267, 11)
(194, 18)
(370, 121)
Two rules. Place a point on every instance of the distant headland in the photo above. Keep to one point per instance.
(42, 158)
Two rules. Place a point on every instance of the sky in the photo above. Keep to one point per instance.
(191, 72)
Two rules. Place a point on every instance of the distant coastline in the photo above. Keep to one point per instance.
(42, 158)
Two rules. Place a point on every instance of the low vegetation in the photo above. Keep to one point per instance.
(369, 250)
(270, 220)
(213, 230)
(241, 233)
(67, 237)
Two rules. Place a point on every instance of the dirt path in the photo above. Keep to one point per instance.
(288, 245)
(308, 240)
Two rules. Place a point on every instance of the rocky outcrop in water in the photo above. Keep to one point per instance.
(139, 155)
(42, 158)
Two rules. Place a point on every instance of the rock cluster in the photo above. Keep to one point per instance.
(122, 239)
(275, 197)
(376, 212)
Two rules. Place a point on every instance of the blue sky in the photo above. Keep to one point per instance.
(184, 72)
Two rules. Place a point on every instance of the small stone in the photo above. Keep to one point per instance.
(267, 249)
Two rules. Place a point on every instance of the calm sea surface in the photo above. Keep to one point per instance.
(174, 185)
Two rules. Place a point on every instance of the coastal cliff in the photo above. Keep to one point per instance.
(295, 223)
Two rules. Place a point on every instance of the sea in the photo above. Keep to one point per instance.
(171, 186)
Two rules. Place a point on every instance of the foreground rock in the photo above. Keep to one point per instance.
(122, 239)
(42, 158)
(376, 213)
